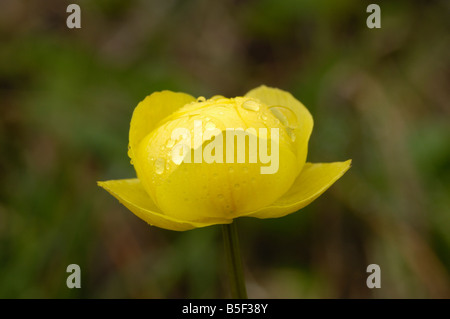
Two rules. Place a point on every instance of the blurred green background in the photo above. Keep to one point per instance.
(378, 96)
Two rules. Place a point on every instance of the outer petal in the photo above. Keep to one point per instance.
(147, 116)
(151, 111)
(303, 127)
(133, 196)
(310, 184)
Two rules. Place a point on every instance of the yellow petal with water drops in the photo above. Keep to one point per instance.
(223, 190)
(219, 188)
(151, 111)
(133, 196)
(291, 113)
(310, 184)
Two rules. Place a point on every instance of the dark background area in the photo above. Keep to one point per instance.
(378, 96)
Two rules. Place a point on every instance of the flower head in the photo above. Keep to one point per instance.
(202, 162)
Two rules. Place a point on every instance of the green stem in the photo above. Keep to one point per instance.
(235, 270)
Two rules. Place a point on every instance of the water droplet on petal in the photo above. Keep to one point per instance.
(201, 99)
(291, 133)
(262, 117)
(159, 165)
(286, 116)
(251, 105)
(217, 97)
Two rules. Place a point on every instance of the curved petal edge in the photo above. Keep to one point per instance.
(313, 181)
(277, 97)
(151, 111)
(132, 195)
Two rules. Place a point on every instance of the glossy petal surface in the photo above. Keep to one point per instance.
(132, 195)
(312, 182)
(291, 112)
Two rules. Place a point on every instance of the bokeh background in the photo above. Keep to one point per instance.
(378, 96)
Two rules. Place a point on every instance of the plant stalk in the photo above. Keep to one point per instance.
(234, 262)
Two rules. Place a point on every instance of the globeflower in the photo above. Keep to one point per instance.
(201, 162)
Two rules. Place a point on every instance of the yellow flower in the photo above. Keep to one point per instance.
(178, 188)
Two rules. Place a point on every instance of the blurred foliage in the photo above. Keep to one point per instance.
(378, 96)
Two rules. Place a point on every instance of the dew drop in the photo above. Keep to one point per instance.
(217, 97)
(251, 105)
(286, 116)
(291, 133)
(201, 99)
(262, 117)
(159, 165)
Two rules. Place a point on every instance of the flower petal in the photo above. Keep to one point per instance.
(303, 125)
(133, 196)
(216, 188)
(151, 111)
(310, 184)
(148, 114)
